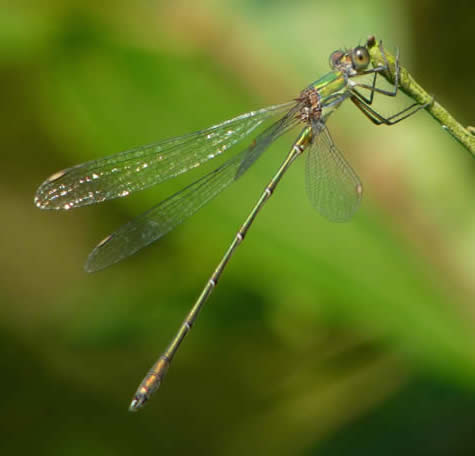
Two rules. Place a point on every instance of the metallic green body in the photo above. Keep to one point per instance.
(332, 85)
(332, 89)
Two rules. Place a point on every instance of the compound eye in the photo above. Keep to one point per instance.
(360, 58)
(335, 58)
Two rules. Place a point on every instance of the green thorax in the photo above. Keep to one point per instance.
(330, 86)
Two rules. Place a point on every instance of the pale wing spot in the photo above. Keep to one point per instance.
(103, 241)
(56, 176)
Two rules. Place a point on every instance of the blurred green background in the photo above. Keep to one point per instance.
(321, 338)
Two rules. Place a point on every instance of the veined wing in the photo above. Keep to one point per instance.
(136, 169)
(159, 220)
(333, 188)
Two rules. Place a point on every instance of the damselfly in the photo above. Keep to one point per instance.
(332, 186)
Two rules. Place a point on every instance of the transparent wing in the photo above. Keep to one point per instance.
(156, 222)
(136, 169)
(333, 187)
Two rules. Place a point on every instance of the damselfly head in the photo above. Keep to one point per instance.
(352, 61)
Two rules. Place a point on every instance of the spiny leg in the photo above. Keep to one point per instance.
(363, 102)
(379, 119)
(372, 88)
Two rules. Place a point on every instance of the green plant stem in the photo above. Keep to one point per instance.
(411, 88)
